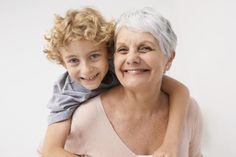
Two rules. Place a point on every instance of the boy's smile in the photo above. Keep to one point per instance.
(90, 78)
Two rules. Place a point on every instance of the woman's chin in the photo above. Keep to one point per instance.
(135, 84)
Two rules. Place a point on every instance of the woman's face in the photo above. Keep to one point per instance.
(138, 60)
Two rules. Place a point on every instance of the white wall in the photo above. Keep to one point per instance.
(205, 61)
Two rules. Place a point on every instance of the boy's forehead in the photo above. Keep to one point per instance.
(81, 44)
(86, 41)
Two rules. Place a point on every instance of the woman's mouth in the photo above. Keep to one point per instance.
(135, 71)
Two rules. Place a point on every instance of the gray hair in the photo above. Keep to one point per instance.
(148, 20)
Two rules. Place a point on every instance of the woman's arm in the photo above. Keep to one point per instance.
(179, 101)
(55, 138)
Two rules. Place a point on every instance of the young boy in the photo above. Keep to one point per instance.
(82, 42)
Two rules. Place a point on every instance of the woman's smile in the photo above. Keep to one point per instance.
(135, 71)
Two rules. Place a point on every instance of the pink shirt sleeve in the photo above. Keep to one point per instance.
(196, 131)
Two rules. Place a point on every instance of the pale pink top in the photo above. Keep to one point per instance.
(92, 133)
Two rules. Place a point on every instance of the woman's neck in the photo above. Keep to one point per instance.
(138, 101)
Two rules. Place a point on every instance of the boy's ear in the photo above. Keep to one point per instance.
(169, 62)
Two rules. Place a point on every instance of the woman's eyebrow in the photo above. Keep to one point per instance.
(148, 42)
(120, 43)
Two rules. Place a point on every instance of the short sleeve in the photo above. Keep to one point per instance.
(196, 131)
(67, 96)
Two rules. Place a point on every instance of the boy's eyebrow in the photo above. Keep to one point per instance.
(91, 51)
(70, 56)
(95, 50)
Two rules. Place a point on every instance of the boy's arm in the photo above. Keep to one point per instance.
(55, 138)
(179, 101)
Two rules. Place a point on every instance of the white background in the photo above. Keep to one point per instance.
(205, 62)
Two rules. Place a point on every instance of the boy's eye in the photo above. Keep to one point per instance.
(144, 49)
(122, 50)
(73, 61)
(94, 56)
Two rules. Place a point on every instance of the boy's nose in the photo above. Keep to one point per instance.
(86, 68)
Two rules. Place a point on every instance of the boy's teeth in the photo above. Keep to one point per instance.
(91, 77)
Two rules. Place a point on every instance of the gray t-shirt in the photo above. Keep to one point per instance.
(68, 95)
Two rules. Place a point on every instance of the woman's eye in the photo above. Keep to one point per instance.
(145, 49)
(122, 50)
(94, 57)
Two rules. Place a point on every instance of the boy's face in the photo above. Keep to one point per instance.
(86, 62)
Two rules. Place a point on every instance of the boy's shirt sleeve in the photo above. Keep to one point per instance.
(68, 95)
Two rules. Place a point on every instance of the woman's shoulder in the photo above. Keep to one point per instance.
(194, 118)
(194, 109)
(111, 96)
(87, 111)
(90, 104)
(194, 126)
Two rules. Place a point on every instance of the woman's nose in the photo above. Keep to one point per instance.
(133, 58)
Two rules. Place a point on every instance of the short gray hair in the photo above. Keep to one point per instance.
(148, 20)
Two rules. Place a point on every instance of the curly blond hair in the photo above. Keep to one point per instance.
(84, 24)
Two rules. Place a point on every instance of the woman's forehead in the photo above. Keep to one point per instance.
(127, 35)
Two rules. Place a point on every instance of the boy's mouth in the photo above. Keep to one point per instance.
(90, 78)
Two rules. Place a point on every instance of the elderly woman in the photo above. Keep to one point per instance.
(131, 119)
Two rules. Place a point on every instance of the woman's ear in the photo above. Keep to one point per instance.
(169, 62)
